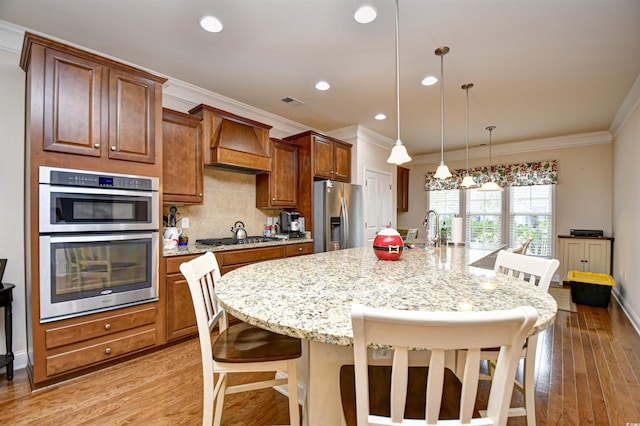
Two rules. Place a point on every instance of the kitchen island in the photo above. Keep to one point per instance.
(310, 298)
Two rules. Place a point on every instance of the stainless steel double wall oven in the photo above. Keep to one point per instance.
(99, 241)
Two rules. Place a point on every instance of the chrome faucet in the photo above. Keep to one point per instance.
(436, 239)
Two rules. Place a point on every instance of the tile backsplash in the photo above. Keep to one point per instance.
(228, 197)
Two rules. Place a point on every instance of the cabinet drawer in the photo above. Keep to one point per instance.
(174, 262)
(65, 335)
(298, 249)
(104, 351)
(251, 255)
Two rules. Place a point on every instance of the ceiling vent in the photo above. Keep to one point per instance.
(291, 101)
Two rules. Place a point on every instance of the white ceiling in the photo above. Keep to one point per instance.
(541, 68)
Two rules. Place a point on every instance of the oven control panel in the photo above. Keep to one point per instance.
(68, 177)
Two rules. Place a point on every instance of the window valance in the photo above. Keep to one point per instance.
(523, 174)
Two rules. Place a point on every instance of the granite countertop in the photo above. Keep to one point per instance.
(310, 296)
(202, 248)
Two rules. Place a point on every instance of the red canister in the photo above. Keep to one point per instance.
(388, 244)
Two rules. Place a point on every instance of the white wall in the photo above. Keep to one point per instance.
(583, 194)
(626, 211)
(12, 85)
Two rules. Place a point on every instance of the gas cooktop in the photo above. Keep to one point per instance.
(232, 241)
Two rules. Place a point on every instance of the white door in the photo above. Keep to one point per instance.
(377, 203)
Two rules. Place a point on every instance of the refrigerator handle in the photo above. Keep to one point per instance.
(345, 223)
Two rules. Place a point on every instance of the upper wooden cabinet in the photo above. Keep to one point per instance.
(233, 142)
(403, 189)
(89, 105)
(329, 158)
(182, 164)
(319, 157)
(278, 189)
(332, 158)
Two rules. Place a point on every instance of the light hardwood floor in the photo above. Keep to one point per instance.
(588, 372)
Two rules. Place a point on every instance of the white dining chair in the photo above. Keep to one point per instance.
(400, 394)
(537, 271)
(241, 348)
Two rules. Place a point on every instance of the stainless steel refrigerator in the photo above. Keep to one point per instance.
(337, 216)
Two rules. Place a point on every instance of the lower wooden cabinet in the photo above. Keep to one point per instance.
(80, 344)
(85, 356)
(180, 316)
(585, 254)
(298, 249)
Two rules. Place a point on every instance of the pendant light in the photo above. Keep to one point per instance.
(442, 172)
(468, 181)
(490, 185)
(399, 152)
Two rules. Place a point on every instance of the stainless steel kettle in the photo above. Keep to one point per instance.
(239, 232)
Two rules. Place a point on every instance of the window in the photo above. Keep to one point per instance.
(447, 204)
(483, 218)
(531, 215)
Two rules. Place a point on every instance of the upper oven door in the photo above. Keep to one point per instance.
(78, 209)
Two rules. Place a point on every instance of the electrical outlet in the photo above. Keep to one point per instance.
(184, 222)
(382, 354)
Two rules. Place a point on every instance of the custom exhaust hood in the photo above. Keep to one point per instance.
(232, 142)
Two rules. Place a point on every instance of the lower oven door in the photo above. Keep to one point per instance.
(86, 273)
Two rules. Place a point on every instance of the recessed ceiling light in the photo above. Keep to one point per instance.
(380, 116)
(429, 80)
(322, 85)
(211, 24)
(365, 14)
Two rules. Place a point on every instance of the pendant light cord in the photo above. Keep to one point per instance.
(490, 129)
(467, 89)
(398, 66)
(442, 107)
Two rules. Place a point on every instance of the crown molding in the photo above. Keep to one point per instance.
(359, 134)
(630, 103)
(559, 142)
(192, 95)
(11, 37)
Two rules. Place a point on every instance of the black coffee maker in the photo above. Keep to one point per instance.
(289, 224)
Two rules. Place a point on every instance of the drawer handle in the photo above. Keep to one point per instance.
(107, 351)
(299, 248)
(96, 145)
(107, 326)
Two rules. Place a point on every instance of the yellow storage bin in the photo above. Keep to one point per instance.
(588, 288)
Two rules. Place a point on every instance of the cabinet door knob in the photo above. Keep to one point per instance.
(96, 145)
(107, 326)
(107, 351)
(200, 195)
(113, 148)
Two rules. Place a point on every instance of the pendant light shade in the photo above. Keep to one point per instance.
(468, 181)
(490, 185)
(399, 153)
(443, 171)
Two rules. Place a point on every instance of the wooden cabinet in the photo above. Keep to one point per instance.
(86, 112)
(85, 342)
(331, 158)
(584, 254)
(90, 105)
(234, 142)
(319, 157)
(182, 164)
(279, 189)
(300, 249)
(402, 185)
(180, 316)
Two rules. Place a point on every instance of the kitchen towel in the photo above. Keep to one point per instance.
(456, 230)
